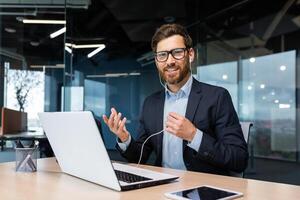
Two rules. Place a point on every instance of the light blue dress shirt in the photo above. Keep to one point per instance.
(172, 154)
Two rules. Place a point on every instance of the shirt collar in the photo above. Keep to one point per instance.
(185, 89)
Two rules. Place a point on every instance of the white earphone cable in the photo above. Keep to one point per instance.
(141, 153)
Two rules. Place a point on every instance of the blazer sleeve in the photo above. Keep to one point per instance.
(226, 148)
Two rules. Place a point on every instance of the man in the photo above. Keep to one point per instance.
(201, 130)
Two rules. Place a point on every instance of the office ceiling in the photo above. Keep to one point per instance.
(126, 27)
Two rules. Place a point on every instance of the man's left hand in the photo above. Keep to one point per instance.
(180, 126)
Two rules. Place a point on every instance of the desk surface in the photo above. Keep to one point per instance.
(49, 183)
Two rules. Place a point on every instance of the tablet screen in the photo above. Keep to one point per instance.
(204, 193)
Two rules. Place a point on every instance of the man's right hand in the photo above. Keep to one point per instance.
(116, 125)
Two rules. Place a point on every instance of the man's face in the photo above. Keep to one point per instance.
(173, 71)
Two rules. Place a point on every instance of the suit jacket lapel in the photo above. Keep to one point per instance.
(159, 115)
(193, 102)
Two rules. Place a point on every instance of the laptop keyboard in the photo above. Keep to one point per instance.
(129, 178)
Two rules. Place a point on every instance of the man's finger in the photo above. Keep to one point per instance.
(110, 120)
(171, 130)
(122, 125)
(172, 120)
(117, 119)
(113, 110)
(175, 115)
(105, 119)
(172, 126)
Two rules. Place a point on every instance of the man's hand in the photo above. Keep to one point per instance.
(180, 126)
(116, 125)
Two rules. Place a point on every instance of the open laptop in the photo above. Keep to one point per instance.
(80, 152)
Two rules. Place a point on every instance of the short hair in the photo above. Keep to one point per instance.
(168, 30)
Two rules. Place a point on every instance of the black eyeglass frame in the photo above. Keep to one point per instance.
(171, 52)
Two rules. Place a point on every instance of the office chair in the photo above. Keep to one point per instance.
(246, 130)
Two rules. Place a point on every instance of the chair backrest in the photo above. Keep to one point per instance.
(246, 130)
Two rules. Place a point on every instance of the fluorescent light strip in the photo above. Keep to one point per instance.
(83, 46)
(134, 74)
(96, 51)
(68, 49)
(113, 75)
(284, 105)
(57, 33)
(116, 74)
(58, 66)
(40, 21)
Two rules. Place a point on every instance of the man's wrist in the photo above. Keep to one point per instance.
(124, 145)
(124, 137)
(197, 140)
(193, 134)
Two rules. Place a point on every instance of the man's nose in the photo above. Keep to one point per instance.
(170, 60)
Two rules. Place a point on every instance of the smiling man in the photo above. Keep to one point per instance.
(189, 125)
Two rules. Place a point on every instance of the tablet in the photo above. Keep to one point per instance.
(204, 192)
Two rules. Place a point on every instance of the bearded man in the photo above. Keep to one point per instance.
(189, 125)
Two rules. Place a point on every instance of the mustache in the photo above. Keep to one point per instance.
(171, 67)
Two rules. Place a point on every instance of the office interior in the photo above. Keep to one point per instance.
(97, 55)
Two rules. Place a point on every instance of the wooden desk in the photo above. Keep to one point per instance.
(49, 183)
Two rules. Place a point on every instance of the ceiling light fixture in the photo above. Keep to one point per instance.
(57, 33)
(34, 43)
(134, 74)
(113, 75)
(252, 59)
(262, 86)
(282, 105)
(40, 21)
(58, 66)
(96, 51)
(10, 30)
(83, 46)
(68, 49)
(282, 67)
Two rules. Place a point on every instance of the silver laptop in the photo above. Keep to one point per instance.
(80, 152)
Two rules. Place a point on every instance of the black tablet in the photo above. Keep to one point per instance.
(204, 192)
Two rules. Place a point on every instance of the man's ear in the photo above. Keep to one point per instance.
(191, 55)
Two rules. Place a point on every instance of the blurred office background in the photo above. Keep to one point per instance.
(250, 47)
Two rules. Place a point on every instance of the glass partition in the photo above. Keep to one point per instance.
(221, 74)
(269, 100)
(266, 97)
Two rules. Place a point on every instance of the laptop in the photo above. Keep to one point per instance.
(80, 152)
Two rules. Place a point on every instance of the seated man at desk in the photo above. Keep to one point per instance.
(190, 125)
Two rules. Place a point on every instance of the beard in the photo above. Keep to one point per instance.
(182, 73)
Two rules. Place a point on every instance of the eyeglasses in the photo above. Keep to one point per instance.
(177, 54)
